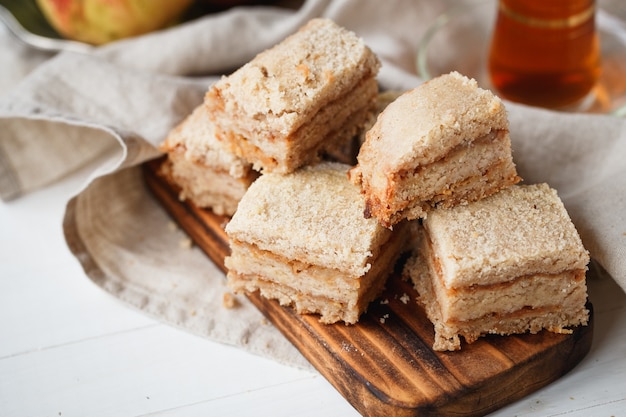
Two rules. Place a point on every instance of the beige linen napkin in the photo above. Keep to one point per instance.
(110, 108)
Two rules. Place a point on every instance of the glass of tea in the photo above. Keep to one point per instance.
(545, 52)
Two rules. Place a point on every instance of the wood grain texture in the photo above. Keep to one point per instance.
(384, 365)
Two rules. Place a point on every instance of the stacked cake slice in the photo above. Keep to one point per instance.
(443, 143)
(301, 238)
(306, 96)
(510, 263)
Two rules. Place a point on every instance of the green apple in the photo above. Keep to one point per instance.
(101, 21)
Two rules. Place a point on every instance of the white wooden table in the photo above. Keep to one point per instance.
(67, 348)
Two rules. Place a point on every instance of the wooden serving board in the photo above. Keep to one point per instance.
(384, 364)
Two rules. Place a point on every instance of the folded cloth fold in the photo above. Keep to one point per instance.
(109, 109)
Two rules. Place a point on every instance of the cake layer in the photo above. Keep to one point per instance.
(309, 288)
(555, 318)
(467, 173)
(521, 230)
(317, 280)
(330, 128)
(205, 186)
(330, 310)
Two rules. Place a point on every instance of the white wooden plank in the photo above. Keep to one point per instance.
(132, 373)
(312, 396)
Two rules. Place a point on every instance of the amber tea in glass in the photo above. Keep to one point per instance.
(545, 52)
